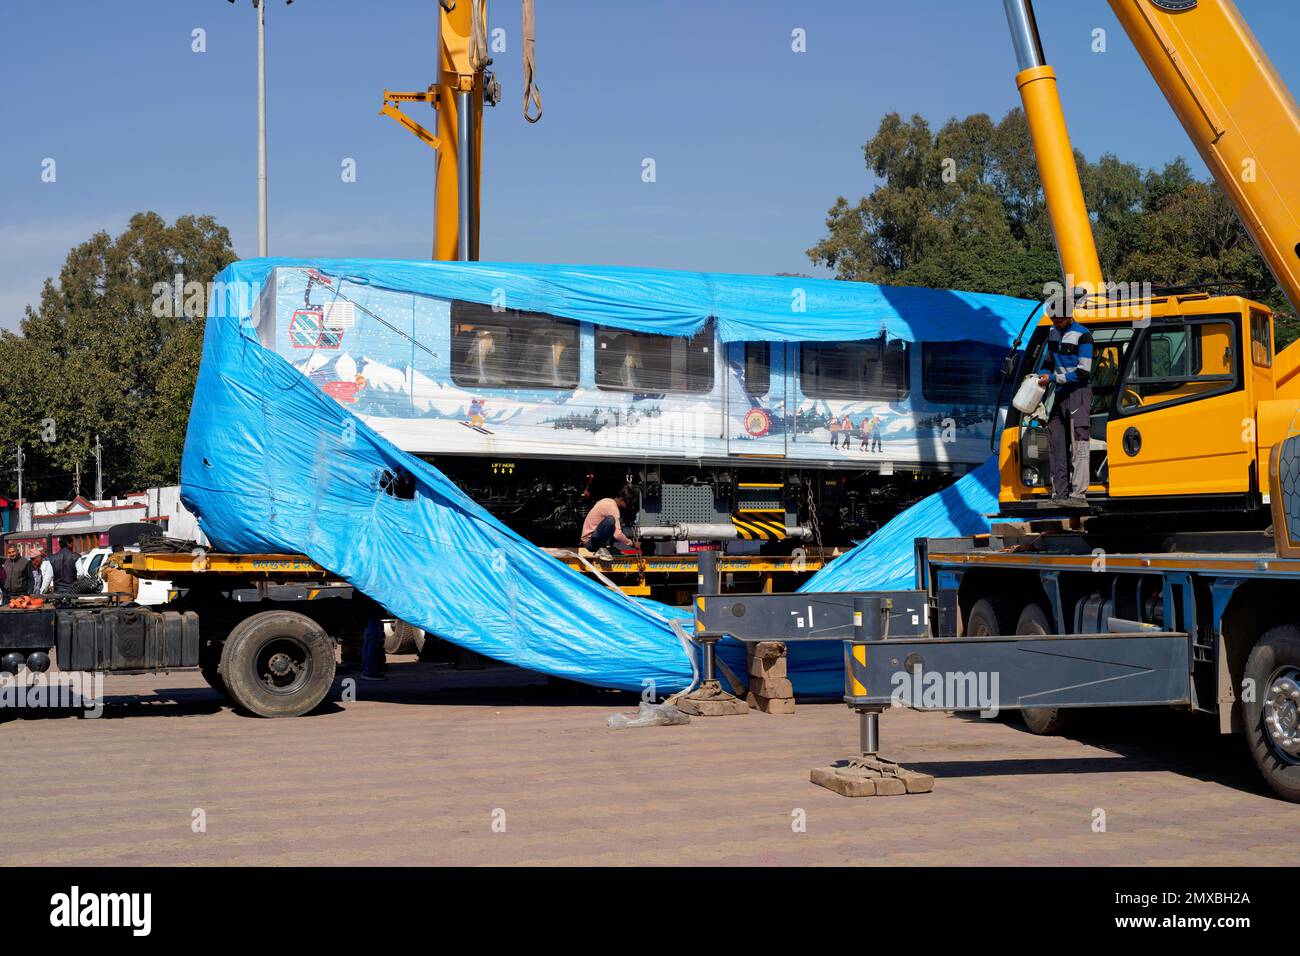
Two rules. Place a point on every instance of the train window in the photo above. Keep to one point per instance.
(758, 367)
(512, 349)
(643, 362)
(870, 369)
(965, 372)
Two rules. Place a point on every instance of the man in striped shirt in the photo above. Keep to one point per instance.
(1069, 430)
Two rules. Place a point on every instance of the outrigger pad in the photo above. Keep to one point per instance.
(710, 700)
(870, 777)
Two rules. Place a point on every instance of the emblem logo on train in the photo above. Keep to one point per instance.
(758, 423)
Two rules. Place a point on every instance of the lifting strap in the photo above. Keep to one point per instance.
(532, 92)
(478, 48)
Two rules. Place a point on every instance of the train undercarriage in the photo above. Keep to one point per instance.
(773, 508)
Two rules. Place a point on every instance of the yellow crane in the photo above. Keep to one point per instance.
(464, 84)
(1189, 397)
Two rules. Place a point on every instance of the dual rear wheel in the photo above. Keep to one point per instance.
(995, 616)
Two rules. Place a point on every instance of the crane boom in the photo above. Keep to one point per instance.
(1189, 400)
(1239, 114)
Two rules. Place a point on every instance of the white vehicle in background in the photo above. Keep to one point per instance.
(152, 591)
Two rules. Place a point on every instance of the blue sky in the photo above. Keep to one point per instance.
(752, 142)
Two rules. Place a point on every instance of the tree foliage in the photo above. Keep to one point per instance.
(963, 208)
(109, 352)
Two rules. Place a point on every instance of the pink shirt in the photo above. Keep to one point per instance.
(602, 509)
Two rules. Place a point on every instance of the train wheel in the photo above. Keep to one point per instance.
(1273, 716)
(1048, 721)
(278, 664)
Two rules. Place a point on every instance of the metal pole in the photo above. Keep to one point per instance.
(20, 482)
(1024, 34)
(99, 470)
(437, 159)
(869, 731)
(706, 563)
(709, 668)
(464, 171)
(261, 126)
(707, 585)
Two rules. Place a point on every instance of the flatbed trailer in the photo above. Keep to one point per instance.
(1051, 619)
(263, 629)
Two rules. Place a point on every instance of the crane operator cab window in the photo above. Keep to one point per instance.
(1261, 339)
(654, 364)
(1179, 361)
(512, 349)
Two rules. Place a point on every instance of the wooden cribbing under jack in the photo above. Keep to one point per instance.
(869, 774)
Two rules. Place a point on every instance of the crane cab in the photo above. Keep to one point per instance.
(1183, 410)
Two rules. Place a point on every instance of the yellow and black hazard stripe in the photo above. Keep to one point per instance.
(855, 667)
(759, 529)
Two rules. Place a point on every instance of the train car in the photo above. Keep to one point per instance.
(534, 412)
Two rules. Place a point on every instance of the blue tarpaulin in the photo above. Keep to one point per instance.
(747, 308)
(884, 562)
(273, 464)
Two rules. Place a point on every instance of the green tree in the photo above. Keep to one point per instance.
(963, 208)
(111, 350)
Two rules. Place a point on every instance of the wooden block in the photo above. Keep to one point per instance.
(871, 777)
(767, 705)
(856, 786)
(766, 659)
(772, 687)
(767, 650)
(768, 669)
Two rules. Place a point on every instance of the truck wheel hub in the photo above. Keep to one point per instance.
(1282, 713)
(280, 665)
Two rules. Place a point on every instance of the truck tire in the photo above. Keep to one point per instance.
(212, 675)
(1046, 721)
(278, 664)
(1272, 724)
(210, 666)
(991, 617)
(403, 638)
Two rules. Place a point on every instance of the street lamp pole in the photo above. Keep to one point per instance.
(259, 7)
(261, 126)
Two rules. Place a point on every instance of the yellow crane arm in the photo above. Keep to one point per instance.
(1239, 114)
(392, 109)
(1071, 227)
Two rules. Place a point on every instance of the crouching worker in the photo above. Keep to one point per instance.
(604, 523)
(1069, 430)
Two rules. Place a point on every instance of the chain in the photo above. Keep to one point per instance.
(812, 514)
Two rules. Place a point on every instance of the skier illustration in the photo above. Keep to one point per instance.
(477, 418)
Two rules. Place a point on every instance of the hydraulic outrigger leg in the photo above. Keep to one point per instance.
(709, 699)
(868, 774)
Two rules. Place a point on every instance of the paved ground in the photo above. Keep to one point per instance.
(418, 770)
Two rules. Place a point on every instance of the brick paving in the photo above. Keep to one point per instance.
(498, 766)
